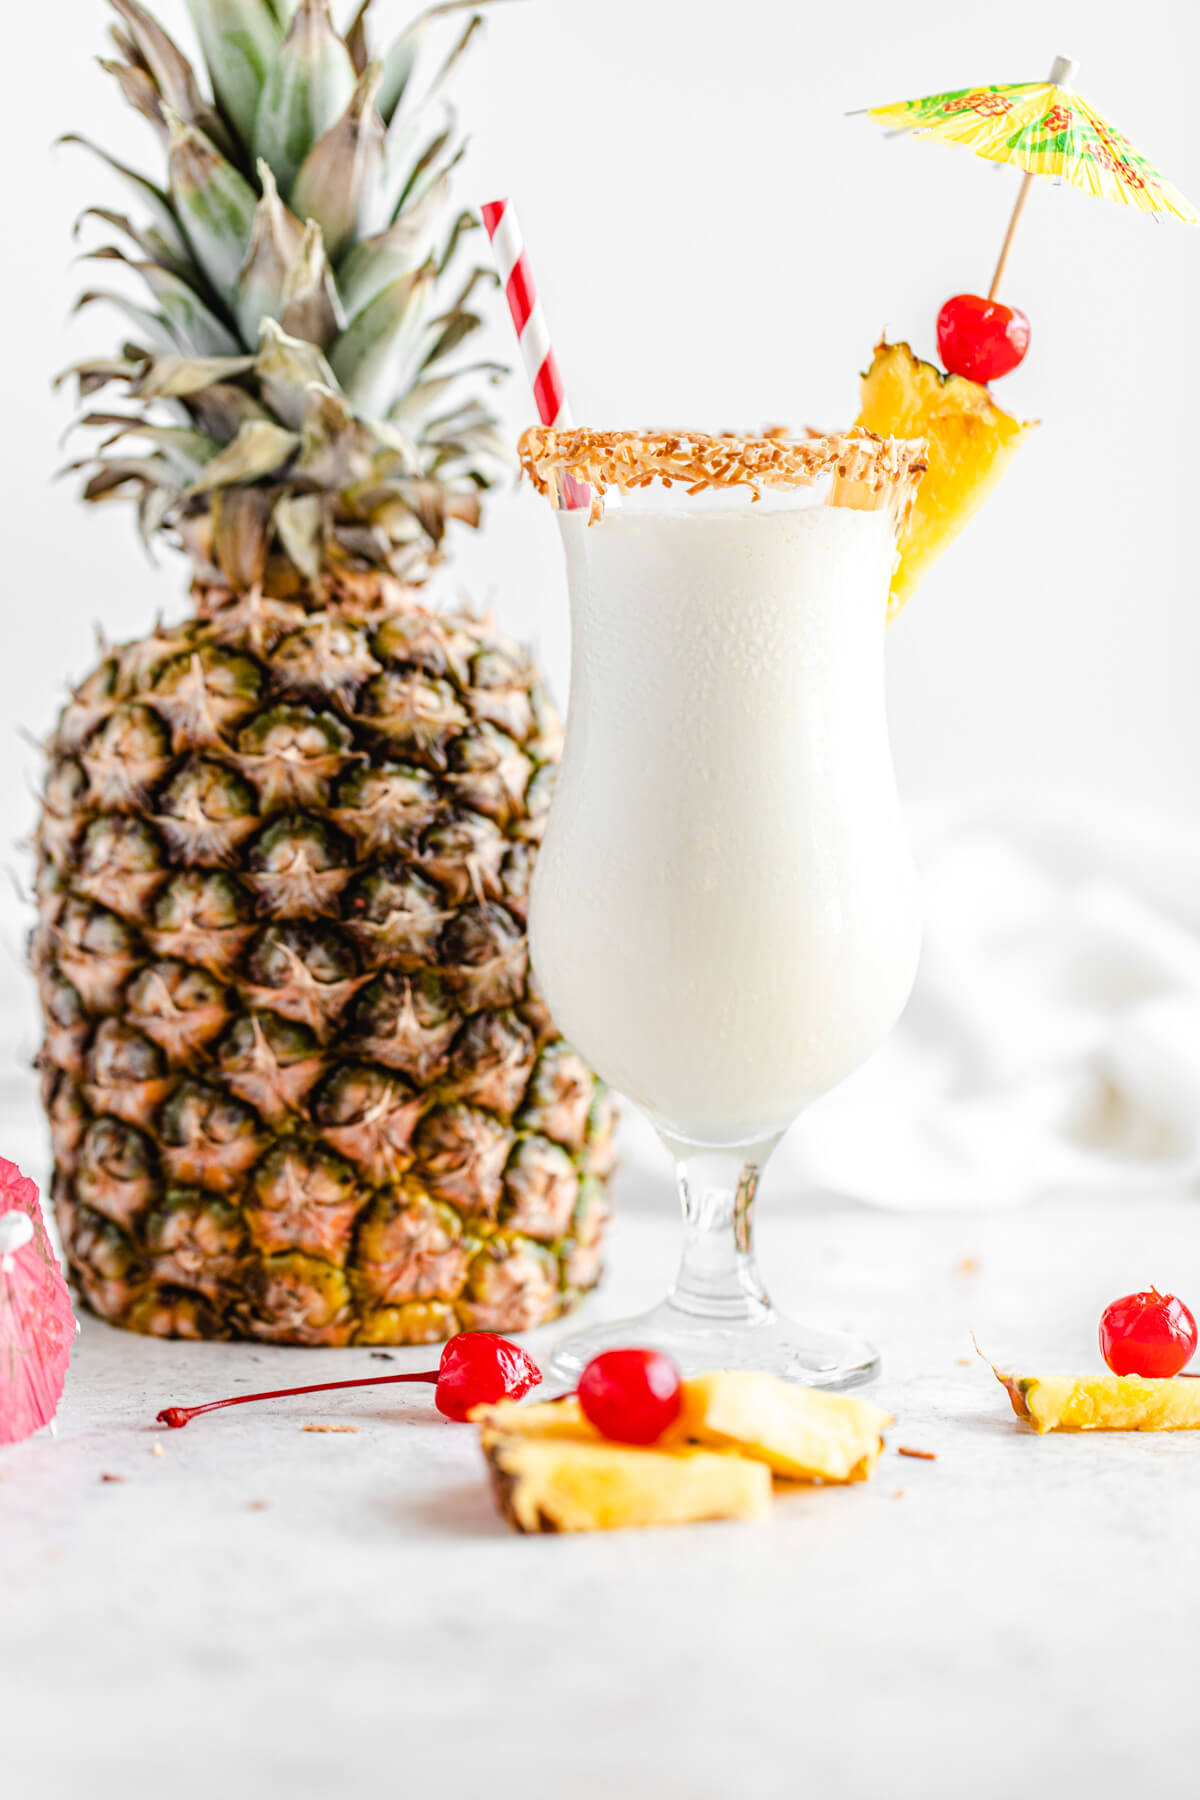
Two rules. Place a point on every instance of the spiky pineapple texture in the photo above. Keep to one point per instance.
(298, 395)
(300, 1083)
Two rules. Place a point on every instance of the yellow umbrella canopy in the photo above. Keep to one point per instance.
(1045, 128)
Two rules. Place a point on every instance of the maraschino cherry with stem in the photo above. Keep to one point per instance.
(1149, 1334)
(477, 1368)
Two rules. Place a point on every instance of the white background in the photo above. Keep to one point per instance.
(718, 244)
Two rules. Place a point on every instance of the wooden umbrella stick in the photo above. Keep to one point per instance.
(1062, 74)
(1009, 235)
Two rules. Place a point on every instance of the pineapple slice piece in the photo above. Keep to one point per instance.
(558, 1419)
(969, 441)
(551, 1484)
(1105, 1402)
(801, 1434)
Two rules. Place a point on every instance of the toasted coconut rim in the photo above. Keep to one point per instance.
(697, 460)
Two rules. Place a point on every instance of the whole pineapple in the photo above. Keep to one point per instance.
(300, 1084)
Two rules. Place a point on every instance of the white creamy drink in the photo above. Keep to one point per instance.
(723, 918)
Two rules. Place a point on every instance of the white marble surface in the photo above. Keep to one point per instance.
(262, 1611)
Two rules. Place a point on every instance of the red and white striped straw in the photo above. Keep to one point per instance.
(529, 322)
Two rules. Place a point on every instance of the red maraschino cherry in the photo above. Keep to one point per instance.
(477, 1368)
(1148, 1334)
(631, 1395)
(981, 339)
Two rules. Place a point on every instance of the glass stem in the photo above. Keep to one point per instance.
(718, 1278)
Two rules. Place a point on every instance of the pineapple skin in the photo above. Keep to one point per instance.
(969, 442)
(300, 1084)
(1104, 1402)
(545, 1484)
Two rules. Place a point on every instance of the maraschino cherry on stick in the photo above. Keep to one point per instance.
(981, 339)
(477, 1368)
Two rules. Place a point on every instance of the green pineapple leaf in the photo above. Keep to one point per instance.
(260, 448)
(339, 171)
(240, 40)
(275, 240)
(307, 89)
(306, 314)
(214, 203)
(380, 350)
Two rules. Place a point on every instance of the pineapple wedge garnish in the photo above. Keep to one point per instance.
(552, 1484)
(1105, 1402)
(969, 441)
(801, 1434)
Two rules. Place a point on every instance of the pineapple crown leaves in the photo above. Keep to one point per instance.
(299, 397)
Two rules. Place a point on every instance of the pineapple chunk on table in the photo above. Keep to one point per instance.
(553, 1471)
(1105, 1402)
(801, 1434)
(553, 1484)
(560, 1419)
(969, 442)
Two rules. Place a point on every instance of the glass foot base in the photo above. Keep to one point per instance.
(768, 1343)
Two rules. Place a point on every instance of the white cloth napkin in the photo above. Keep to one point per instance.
(1053, 1037)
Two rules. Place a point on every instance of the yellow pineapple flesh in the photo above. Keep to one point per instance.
(1105, 1402)
(969, 442)
(553, 1471)
(560, 1420)
(549, 1484)
(801, 1434)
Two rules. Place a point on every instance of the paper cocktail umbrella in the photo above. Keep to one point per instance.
(37, 1325)
(1045, 128)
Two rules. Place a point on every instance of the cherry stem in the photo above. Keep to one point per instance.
(178, 1416)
